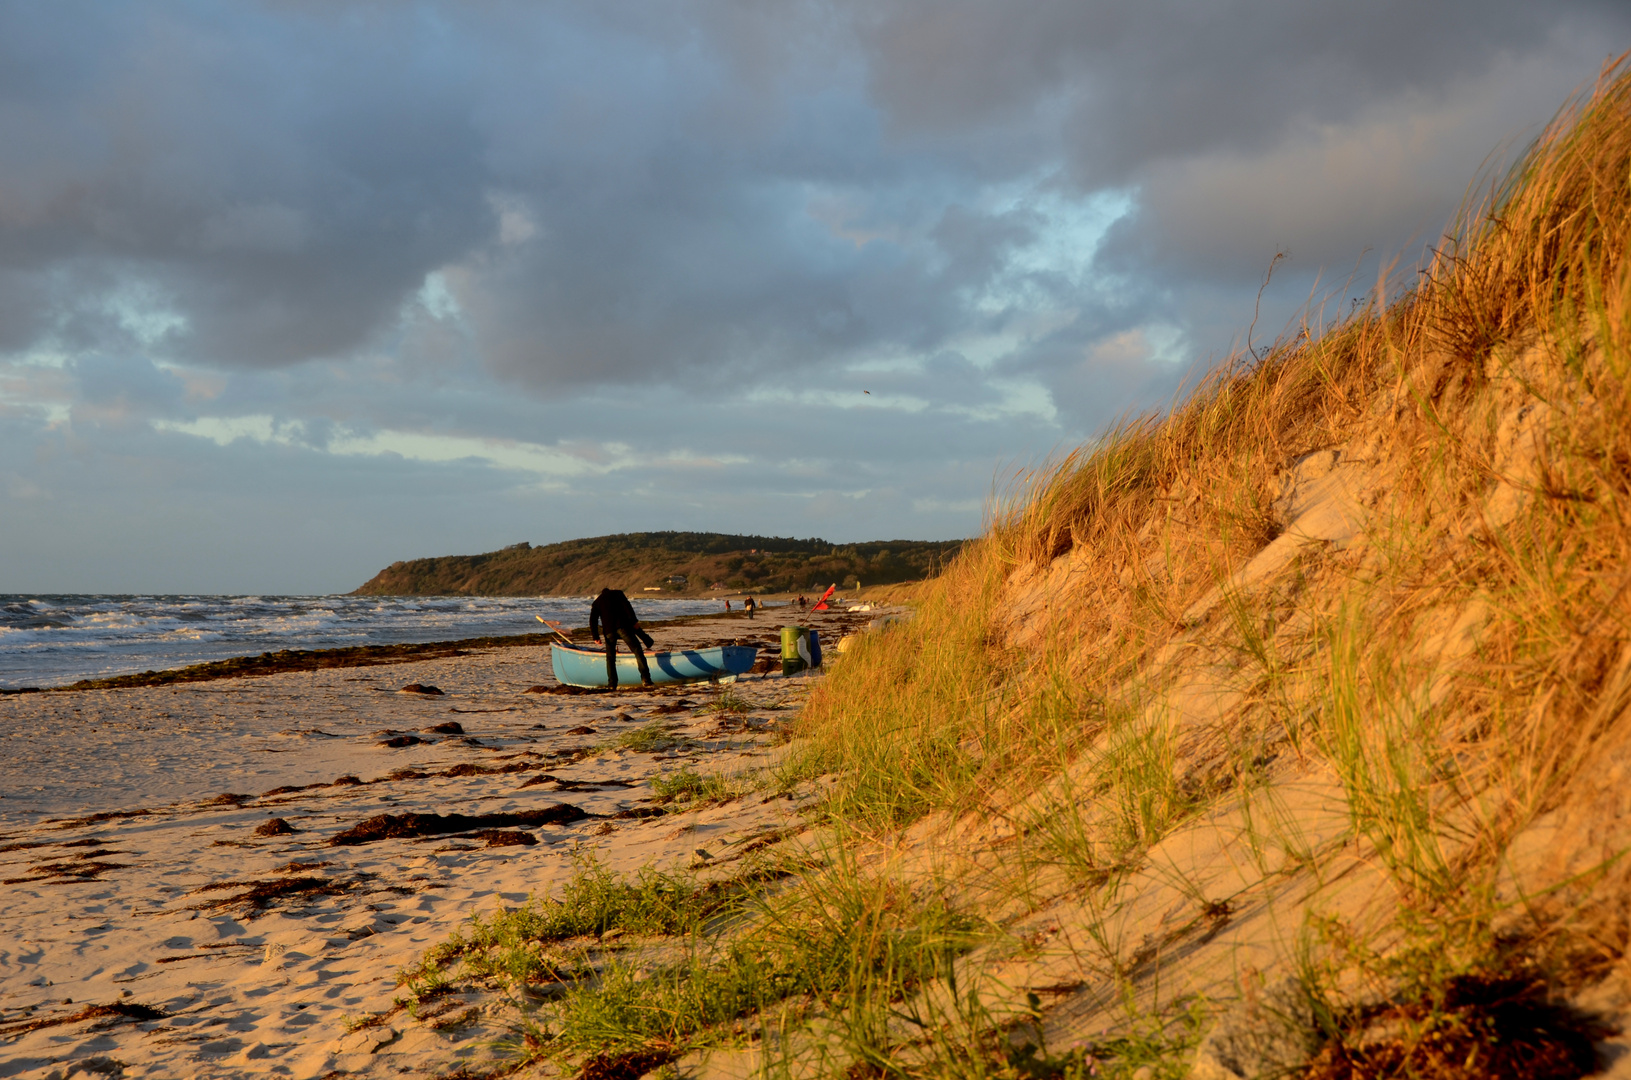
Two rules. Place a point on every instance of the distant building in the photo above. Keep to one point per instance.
(677, 579)
(718, 585)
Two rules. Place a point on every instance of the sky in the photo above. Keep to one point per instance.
(292, 290)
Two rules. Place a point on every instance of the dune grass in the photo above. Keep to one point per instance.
(657, 735)
(1493, 396)
(696, 789)
(668, 961)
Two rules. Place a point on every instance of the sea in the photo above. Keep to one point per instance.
(55, 640)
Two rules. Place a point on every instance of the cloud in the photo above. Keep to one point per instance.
(1388, 179)
(277, 183)
(713, 195)
(279, 186)
(1127, 85)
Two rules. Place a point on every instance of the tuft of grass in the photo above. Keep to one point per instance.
(596, 901)
(838, 943)
(647, 738)
(728, 701)
(1384, 741)
(519, 945)
(891, 722)
(1453, 1014)
(366, 1020)
(690, 786)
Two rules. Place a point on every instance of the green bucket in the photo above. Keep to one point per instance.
(792, 662)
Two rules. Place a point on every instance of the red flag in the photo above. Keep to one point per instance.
(821, 605)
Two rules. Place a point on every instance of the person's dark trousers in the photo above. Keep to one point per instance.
(611, 657)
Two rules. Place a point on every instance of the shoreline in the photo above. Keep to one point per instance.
(115, 748)
(348, 656)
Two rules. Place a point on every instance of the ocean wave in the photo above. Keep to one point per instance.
(57, 639)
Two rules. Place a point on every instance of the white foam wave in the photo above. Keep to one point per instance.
(53, 640)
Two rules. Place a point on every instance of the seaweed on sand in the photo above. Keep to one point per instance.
(82, 869)
(259, 895)
(125, 1010)
(409, 826)
(1500, 1027)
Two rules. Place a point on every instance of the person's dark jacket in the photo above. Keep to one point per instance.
(612, 610)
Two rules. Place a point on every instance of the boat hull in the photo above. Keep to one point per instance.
(587, 667)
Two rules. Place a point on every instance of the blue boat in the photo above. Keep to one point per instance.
(579, 666)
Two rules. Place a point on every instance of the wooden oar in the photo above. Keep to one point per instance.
(554, 628)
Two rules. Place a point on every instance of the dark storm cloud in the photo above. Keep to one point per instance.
(255, 171)
(697, 190)
(1245, 128)
(281, 179)
(1130, 84)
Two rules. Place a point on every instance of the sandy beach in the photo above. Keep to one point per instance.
(186, 892)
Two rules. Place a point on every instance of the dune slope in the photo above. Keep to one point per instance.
(1292, 726)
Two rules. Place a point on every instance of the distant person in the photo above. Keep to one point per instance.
(750, 606)
(727, 607)
(613, 611)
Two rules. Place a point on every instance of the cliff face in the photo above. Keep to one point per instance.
(1291, 730)
(680, 563)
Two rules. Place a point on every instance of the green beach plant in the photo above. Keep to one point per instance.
(647, 738)
(689, 786)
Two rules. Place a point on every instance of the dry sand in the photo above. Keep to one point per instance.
(155, 927)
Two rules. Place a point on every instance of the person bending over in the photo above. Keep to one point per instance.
(613, 612)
